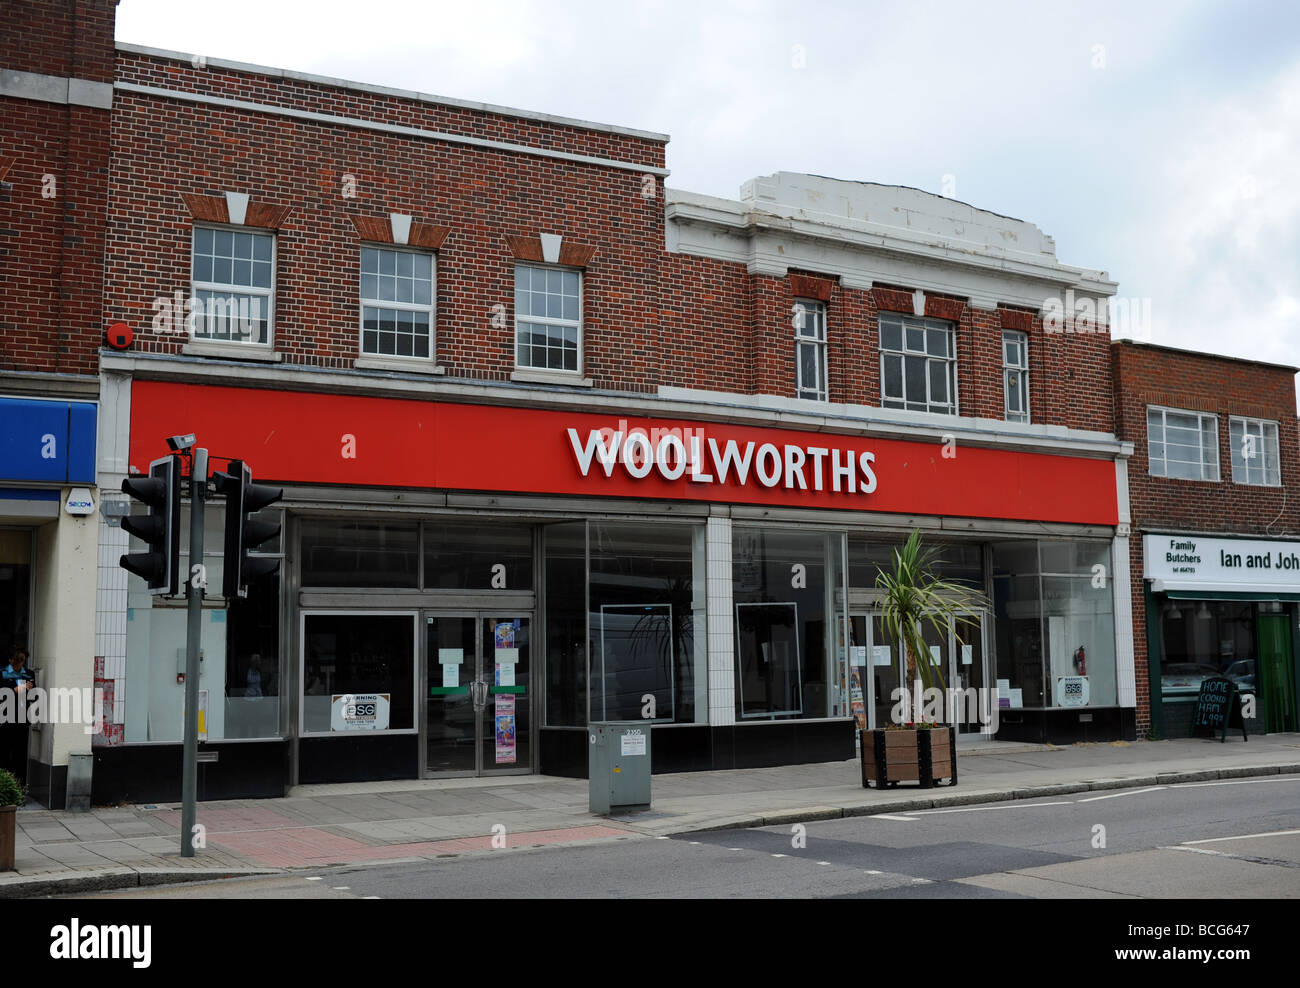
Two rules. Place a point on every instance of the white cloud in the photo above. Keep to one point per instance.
(1217, 250)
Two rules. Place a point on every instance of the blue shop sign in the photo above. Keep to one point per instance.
(47, 441)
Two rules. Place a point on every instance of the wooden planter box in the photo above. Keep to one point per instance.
(8, 839)
(920, 756)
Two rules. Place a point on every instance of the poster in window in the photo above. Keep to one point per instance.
(857, 704)
(505, 729)
(749, 566)
(360, 711)
(505, 635)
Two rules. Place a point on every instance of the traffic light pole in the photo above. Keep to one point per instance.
(194, 628)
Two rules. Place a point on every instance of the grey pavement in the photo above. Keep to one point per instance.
(319, 825)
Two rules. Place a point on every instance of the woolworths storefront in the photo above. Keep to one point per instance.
(1222, 607)
(491, 578)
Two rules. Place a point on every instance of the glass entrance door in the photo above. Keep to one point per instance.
(478, 704)
(451, 732)
(504, 730)
(873, 669)
(878, 667)
(969, 673)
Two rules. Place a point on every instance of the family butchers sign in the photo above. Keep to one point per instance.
(1202, 563)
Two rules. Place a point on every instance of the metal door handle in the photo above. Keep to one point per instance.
(478, 691)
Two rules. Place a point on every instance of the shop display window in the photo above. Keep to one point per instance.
(564, 549)
(787, 589)
(344, 553)
(625, 623)
(364, 653)
(240, 674)
(1055, 624)
(647, 614)
(961, 562)
(485, 555)
(1203, 638)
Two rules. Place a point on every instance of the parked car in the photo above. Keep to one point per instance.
(1242, 672)
(1184, 678)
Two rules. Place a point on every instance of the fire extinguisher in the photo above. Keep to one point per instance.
(1080, 662)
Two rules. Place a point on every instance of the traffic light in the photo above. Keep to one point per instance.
(243, 499)
(160, 529)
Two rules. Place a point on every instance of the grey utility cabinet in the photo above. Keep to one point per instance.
(618, 769)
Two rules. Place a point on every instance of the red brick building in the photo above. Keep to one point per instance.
(1214, 491)
(56, 90)
(560, 444)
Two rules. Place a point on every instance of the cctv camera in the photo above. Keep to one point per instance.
(178, 444)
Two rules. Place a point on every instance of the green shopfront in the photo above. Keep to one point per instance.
(1222, 607)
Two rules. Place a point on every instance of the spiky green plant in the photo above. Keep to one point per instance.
(911, 597)
(12, 792)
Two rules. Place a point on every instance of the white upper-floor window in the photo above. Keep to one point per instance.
(1015, 375)
(548, 318)
(1182, 444)
(233, 286)
(397, 303)
(1255, 451)
(918, 364)
(810, 350)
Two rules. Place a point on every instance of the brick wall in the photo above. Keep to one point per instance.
(650, 318)
(727, 330)
(53, 192)
(59, 37)
(164, 148)
(1147, 375)
(1201, 382)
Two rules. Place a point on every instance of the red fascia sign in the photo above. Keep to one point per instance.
(299, 437)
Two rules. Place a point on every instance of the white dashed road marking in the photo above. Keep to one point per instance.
(1126, 792)
(984, 809)
(1271, 833)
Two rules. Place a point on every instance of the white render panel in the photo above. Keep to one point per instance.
(237, 206)
(865, 232)
(55, 89)
(114, 430)
(1124, 518)
(1125, 665)
(401, 223)
(551, 243)
(900, 207)
(111, 584)
(722, 637)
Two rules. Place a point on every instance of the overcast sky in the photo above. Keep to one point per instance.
(1157, 141)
